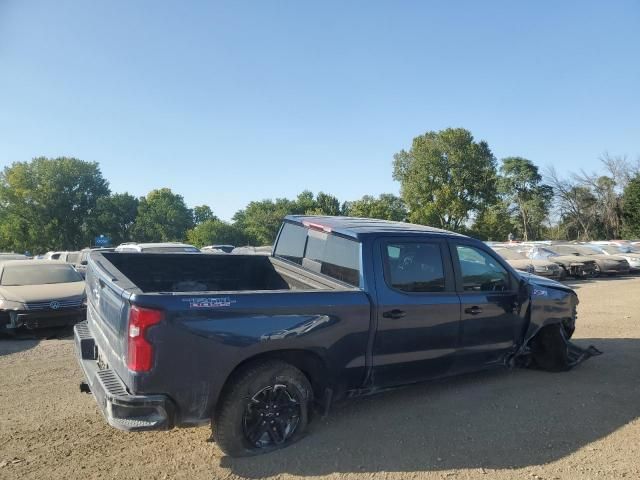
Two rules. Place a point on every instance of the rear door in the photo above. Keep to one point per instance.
(492, 321)
(418, 311)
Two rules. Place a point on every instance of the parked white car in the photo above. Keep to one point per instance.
(63, 256)
(624, 251)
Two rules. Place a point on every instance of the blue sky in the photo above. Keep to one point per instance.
(227, 102)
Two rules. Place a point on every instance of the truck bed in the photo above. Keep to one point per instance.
(218, 310)
(166, 273)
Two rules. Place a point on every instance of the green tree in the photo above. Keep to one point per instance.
(162, 217)
(577, 207)
(45, 203)
(631, 208)
(326, 205)
(607, 193)
(321, 204)
(202, 213)
(445, 177)
(304, 203)
(260, 220)
(214, 231)
(520, 184)
(493, 223)
(115, 216)
(385, 207)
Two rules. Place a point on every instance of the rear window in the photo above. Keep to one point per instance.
(291, 243)
(321, 252)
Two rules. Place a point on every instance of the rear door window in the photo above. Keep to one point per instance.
(414, 267)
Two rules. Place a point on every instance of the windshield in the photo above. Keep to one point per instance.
(538, 253)
(18, 275)
(574, 250)
(510, 254)
(586, 250)
(617, 249)
(73, 257)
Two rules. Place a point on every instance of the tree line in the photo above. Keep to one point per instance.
(447, 180)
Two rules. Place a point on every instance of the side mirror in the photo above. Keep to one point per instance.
(84, 262)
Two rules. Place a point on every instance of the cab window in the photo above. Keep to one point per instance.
(480, 271)
(414, 267)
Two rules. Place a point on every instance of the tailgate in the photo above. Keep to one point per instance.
(108, 295)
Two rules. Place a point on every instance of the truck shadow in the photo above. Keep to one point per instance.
(577, 283)
(23, 340)
(498, 419)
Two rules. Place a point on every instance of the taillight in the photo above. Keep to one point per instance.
(140, 352)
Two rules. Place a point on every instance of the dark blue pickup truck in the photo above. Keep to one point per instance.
(343, 307)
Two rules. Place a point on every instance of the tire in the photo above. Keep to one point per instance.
(266, 407)
(550, 350)
(563, 274)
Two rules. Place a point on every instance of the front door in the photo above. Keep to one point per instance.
(418, 311)
(492, 318)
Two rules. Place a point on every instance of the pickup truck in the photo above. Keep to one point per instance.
(342, 307)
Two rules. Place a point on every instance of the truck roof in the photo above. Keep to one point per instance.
(358, 228)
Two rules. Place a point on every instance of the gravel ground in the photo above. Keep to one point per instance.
(508, 424)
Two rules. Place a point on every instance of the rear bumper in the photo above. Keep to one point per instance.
(121, 409)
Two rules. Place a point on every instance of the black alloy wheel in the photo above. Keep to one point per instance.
(271, 417)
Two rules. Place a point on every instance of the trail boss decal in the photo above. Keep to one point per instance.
(209, 302)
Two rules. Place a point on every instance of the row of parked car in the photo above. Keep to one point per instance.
(559, 260)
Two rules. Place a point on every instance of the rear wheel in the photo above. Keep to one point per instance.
(265, 408)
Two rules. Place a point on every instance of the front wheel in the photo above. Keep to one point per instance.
(266, 407)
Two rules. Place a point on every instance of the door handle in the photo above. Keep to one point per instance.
(475, 310)
(395, 313)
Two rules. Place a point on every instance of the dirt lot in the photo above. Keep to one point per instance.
(510, 424)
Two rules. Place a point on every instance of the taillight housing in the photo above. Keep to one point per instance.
(140, 351)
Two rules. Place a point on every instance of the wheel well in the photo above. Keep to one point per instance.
(309, 363)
